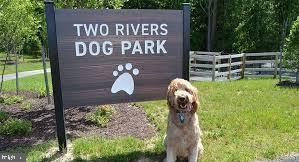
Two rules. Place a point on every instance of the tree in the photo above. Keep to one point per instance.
(95, 4)
(257, 29)
(291, 54)
(17, 23)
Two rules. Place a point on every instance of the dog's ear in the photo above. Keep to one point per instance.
(170, 94)
(195, 104)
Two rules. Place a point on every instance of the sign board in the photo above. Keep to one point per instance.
(114, 56)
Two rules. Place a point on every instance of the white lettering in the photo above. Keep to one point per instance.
(119, 28)
(105, 26)
(160, 46)
(164, 28)
(149, 45)
(137, 48)
(91, 28)
(144, 28)
(91, 48)
(110, 49)
(128, 29)
(135, 30)
(83, 45)
(154, 28)
(125, 45)
(78, 28)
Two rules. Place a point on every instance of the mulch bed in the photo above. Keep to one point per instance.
(127, 120)
(288, 83)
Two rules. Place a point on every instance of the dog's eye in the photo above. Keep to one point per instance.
(186, 89)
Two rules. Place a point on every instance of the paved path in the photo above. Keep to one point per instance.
(23, 74)
(292, 157)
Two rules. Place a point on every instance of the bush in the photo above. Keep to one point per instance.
(26, 105)
(291, 52)
(42, 93)
(9, 100)
(14, 126)
(3, 116)
(101, 116)
(1, 99)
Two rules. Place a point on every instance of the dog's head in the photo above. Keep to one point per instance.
(181, 95)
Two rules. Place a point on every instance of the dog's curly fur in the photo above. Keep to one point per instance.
(183, 139)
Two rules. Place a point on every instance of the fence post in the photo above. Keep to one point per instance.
(276, 65)
(229, 67)
(214, 68)
(243, 65)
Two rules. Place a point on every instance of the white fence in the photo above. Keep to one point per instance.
(214, 66)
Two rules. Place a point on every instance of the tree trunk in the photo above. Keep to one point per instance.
(9, 56)
(2, 74)
(214, 23)
(45, 72)
(297, 76)
(17, 72)
(212, 17)
(209, 26)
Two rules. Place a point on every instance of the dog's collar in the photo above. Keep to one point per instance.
(181, 115)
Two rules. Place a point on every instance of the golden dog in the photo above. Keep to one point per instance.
(183, 138)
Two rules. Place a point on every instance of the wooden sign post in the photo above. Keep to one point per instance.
(114, 56)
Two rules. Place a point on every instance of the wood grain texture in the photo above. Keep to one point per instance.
(87, 80)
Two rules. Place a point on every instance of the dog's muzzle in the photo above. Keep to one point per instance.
(184, 104)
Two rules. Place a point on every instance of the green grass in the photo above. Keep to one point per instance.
(119, 149)
(101, 116)
(3, 116)
(249, 118)
(8, 100)
(34, 83)
(26, 105)
(29, 63)
(34, 153)
(241, 120)
(14, 126)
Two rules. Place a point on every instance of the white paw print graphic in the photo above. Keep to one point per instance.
(124, 81)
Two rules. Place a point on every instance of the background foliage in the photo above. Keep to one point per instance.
(292, 47)
(236, 25)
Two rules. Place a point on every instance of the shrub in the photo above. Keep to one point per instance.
(3, 116)
(8, 100)
(14, 126)
(101, 116)
(42, 92)
(1, 98)
(291, 52)
(26, 105)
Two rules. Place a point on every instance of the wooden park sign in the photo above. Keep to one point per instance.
(113, 56)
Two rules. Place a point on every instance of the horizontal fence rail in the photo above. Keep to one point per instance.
(217, 66)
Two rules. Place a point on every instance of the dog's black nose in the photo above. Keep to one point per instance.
(182, 98)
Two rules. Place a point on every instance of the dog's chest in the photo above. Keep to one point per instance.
(183, 138)
(184, 141)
